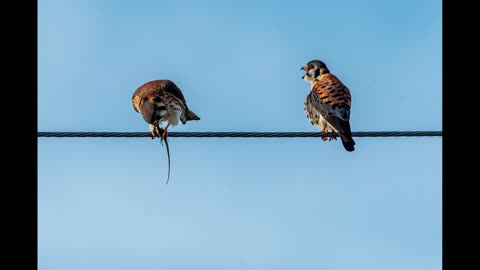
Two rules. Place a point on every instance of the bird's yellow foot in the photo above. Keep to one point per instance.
(157, 131)
(333, 137)
(164, 134)
(324, 130)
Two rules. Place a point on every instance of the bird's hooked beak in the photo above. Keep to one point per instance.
(303, 68)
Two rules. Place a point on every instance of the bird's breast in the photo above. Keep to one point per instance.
(171, 109)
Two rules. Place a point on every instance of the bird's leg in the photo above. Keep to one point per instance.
(324, 130)
(164, 134)
(153, 130)
(156, 130)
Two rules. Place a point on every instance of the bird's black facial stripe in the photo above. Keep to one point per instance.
(162, 108)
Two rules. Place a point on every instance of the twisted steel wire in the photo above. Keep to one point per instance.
(241, 134)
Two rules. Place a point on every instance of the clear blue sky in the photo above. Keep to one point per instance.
(239, 203)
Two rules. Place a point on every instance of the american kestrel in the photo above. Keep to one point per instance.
(328, 103)
(162, 101)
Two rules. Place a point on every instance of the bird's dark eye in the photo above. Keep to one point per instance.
(310, 66)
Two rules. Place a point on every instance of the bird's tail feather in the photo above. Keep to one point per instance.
(191, 116)
(347, 142)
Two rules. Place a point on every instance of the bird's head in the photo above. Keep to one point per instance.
(314, 69)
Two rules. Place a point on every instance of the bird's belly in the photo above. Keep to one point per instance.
(171, 109)
(174, 112)
(317, 119)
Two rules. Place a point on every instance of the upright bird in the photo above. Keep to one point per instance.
(162, 101)
(328, 103)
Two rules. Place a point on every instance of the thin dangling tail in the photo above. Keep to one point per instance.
(168, 155)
